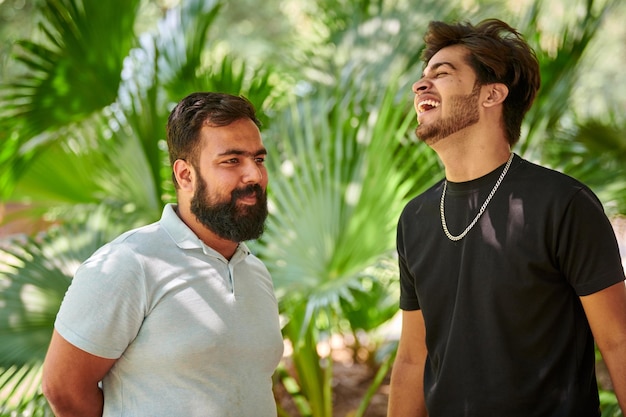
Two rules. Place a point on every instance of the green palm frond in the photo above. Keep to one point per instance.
(20, 394)
(181, 49)
(75, 69)
(12, 163)
(192, 20)
(72, 70)
(595, 153)
(560, 71)
(229, 74)
(376, 298)
(340, 174)
(100, 161)
(342, 166)
(177, 49)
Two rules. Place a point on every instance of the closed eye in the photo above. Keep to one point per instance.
(437, 74)
(438, 69)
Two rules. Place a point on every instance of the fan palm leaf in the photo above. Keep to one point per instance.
(594, 152)
(70, 73)
(560, 71)
(342, 168)
(74, 70)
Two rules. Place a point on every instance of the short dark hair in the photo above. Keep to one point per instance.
(196, 110)
(498, 54)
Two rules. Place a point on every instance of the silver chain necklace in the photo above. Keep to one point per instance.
(480, 212)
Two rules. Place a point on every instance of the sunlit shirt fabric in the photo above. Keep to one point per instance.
(195, 334)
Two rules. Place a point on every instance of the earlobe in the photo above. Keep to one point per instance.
(497, 94)
(184, 174)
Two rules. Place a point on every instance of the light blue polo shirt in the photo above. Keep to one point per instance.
(195, 334)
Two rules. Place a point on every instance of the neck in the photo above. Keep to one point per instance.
(466, 158)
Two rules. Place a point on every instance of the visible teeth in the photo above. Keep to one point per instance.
(427, 105)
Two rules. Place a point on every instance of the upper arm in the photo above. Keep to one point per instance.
(412, 346)
(68, 369)
(406, 393)
(606, 313)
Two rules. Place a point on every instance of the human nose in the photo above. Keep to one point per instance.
(253, 173)
(419, 86)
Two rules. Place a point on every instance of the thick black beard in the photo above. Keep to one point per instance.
(226, 219)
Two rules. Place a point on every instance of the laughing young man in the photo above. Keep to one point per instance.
(509, 271)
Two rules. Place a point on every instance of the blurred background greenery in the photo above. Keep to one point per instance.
(85, 90)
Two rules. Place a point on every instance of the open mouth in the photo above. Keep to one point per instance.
(248, 199)
(426, 105)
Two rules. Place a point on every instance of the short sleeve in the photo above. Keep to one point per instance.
(588, 253)
(105, 304)
(408, 295)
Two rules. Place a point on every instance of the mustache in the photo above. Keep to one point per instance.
(253, 189)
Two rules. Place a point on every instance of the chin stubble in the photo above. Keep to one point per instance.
(464, 113)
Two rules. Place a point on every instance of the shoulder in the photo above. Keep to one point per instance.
(130, 249)
(136, 239)
(428, 198)
(548, 184)
(257, 266)
(542, 176)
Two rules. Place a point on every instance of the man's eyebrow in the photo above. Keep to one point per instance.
(437, 65)
(261, 151)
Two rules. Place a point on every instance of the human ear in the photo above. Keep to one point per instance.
(497, 93)
(184, 174)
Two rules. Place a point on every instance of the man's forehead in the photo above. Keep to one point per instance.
(241, 136)
(453, 56)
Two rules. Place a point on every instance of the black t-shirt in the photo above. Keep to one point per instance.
(505, 330)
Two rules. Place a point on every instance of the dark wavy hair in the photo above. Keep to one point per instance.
(196, 110)
(498, 54)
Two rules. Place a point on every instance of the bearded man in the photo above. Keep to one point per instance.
(178, 318)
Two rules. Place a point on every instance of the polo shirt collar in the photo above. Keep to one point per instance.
(185, 238)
